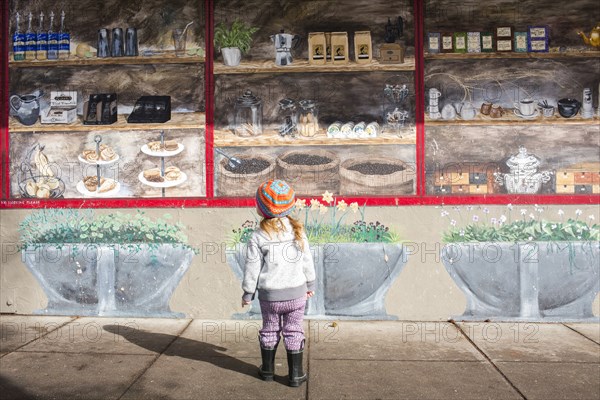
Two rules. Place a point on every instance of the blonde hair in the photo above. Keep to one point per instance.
(275, 225)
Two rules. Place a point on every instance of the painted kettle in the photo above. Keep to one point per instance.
(523, 176)
(26, 108)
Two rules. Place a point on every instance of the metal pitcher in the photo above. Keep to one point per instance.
(26, 108)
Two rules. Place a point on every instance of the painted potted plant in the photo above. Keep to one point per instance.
(355, 263)
(105, 264)
(530, 268)
(233, 41)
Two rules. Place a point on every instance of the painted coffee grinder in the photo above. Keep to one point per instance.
(284, 43)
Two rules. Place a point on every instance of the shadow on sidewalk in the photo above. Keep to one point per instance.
(177, 346)
(11, 390)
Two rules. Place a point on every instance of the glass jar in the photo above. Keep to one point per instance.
(287, 108)
(308, 118)
(247, 119)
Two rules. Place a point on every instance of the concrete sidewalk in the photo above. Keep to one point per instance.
(131, 358)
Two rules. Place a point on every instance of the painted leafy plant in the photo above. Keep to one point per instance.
(324, 223)
(237, 35)
(531, 226)
(67, 226)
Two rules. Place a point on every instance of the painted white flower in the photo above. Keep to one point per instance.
(578, 212)
(553, 226)
(493, 221)
(530, 238)
(453, 222)
(523, 211)
(591, 217)
(503, 218)
(475, 218)
(327, 197)
(354, 207)
(444, 213)
(322, 209)
(462, 232)
(314, 204)
(486, 210)
(301, 204)
(561, 212)
(531, 216)
(509, 206)
(342, 205)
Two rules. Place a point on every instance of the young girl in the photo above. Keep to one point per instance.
(279, 265)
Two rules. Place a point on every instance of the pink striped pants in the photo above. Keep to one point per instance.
(285, 317)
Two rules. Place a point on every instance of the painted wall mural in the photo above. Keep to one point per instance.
(355, 262)
(524, 265)
(118, 264)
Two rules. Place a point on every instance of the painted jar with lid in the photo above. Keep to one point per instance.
(308, 118)
(248, 116)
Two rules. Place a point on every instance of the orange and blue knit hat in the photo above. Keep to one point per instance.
(275, 199)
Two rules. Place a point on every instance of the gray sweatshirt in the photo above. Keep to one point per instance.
(277, 267)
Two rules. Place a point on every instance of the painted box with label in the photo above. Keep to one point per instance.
(317, 48)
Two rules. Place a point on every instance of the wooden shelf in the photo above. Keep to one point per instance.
(511, 119)
(511, 55)
(178, 121)
(299, 66)
(167, 57)
(225, 138)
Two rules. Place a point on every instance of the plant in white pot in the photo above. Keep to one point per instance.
(233, 41)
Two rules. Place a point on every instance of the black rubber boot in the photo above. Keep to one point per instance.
(267, 369)
(296, 372)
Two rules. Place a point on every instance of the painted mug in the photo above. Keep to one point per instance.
(486, 108)
(496, 111)
(526, 107)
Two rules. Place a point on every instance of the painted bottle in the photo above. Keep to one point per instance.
(64, 39)
(52, 40)
(30, 39)
(18, 41)
(41, 51)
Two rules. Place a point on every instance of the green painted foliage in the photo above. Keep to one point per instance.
(237, 35)
(67, 226)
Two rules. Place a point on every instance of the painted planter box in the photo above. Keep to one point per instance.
(352, 279)
(537, 281)
(108, 280)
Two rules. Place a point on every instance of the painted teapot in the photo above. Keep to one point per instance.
(466, 110)
(523, 176)
(594, 39)
(26, 108)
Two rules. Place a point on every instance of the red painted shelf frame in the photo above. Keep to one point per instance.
(420, 198)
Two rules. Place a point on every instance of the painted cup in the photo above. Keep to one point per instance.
(486, 108)
(496, 111)
(526, 107)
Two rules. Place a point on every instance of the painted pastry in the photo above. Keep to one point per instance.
(107, 185)
(172, 173)
(42, 164)
(91, 183)
(171, 145)
(153, 175)
(107, 154)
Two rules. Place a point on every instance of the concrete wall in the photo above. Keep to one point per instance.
(423, 290)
